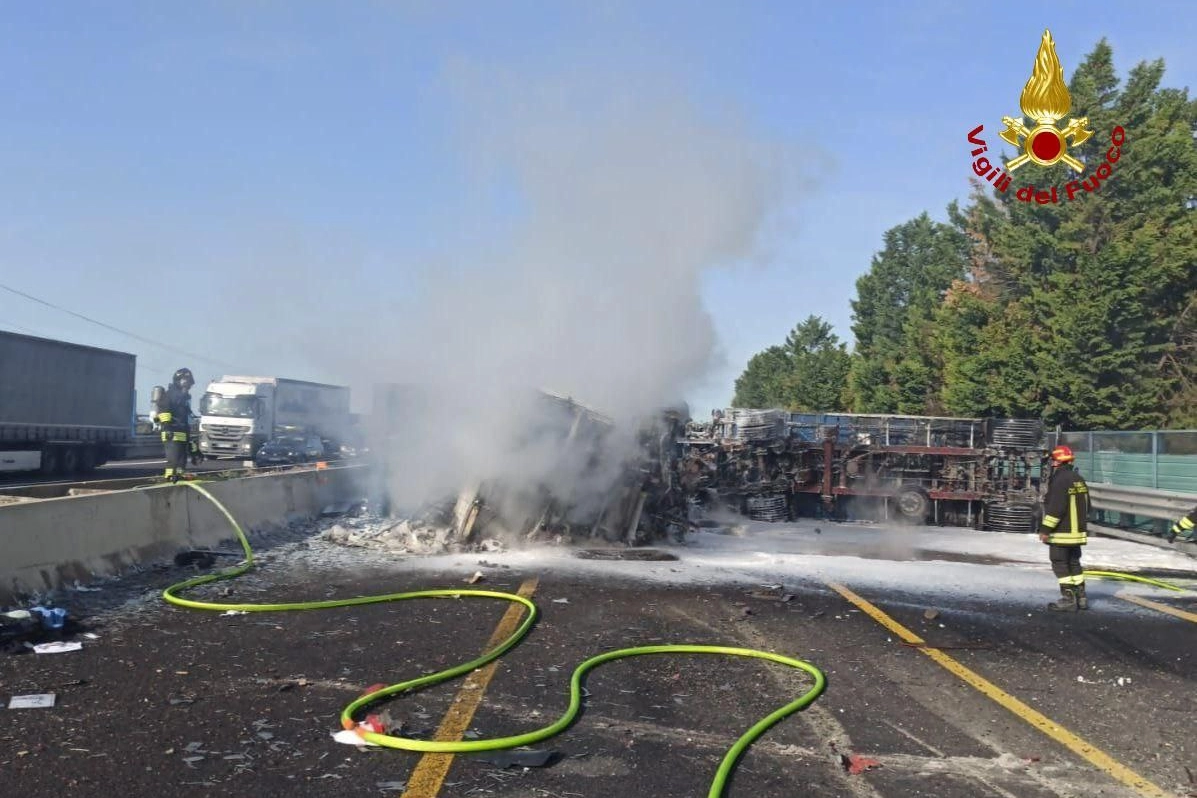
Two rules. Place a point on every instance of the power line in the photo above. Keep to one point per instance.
(143, 365)
(141, 338)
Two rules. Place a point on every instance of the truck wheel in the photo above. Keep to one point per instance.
(70, 460)
(913, 505)
(51, 461)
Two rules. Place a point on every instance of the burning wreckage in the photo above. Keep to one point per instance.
(579, 480)
(602, 486)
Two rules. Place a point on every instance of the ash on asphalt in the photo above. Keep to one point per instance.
(197, 703)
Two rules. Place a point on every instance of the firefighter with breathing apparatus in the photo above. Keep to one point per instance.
(173, 408)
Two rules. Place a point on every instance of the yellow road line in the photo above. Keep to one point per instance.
(1039, 721)
(430, 772)
(1155, 605)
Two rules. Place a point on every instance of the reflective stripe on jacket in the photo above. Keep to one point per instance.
(1066, 508)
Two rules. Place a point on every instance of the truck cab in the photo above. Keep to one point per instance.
(235, 419)
(239, 414)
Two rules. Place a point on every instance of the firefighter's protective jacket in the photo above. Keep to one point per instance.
(1185, 526)
(1066, 508)
(174, 414)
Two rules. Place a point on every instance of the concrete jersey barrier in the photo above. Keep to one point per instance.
(47, 544)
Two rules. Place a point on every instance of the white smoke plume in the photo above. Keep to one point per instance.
(622, 194)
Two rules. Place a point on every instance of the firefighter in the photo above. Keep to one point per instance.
(174, 414)
(1065, 518)
(1184, 527)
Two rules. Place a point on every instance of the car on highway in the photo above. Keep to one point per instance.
(290, 449)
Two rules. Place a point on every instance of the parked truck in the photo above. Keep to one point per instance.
(239, 414)
(64, 408)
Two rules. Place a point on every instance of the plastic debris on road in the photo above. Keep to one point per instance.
(34, 701)
(58, 647)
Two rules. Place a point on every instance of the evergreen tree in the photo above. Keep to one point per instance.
(761, 383)
(1082, 311)
(808, 372)
(893, 370)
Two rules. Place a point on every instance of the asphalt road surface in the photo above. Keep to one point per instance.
(1000, 699)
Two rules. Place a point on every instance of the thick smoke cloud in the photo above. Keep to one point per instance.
(620, 196)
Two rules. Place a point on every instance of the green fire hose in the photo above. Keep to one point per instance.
(171, 594)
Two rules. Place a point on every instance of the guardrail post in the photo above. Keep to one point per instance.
(1155, 459)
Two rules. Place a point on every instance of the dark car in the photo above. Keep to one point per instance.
(290, 449)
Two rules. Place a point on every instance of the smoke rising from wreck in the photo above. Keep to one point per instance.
(620, 201)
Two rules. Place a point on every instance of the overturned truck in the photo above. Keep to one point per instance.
(773, 465)
(549, 470)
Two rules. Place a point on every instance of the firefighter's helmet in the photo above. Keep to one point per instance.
(183, 375)
(1062, 454)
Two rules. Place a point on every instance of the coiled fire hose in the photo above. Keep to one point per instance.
(171, 595)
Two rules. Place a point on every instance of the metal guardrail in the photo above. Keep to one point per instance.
(1164, 505)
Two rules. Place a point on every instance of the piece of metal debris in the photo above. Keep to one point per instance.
(518, 758)
(648, 555)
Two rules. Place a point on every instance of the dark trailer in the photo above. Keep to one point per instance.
(64, 407)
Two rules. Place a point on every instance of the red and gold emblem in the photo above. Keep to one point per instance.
(1045, 100)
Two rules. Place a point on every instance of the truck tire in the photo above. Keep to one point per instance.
(913, 505)
(70, 460)
(51, 461)
(1014, 433)
(1013, 517)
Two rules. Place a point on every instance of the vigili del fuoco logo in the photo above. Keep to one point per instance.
(1045, 101)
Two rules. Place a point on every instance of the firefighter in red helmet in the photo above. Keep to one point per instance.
(1063, 529)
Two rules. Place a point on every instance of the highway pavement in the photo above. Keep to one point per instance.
(953, 694)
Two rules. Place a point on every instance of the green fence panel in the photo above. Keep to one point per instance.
(1163, 459)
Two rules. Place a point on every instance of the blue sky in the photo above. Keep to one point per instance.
(252, 181)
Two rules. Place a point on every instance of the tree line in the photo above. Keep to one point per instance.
(1081, 312)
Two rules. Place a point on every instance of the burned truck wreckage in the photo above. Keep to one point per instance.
(595, 483)
(772, 465)
(557, 472)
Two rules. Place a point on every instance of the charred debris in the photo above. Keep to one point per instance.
(674, 473)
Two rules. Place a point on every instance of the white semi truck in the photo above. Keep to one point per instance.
(239, 414)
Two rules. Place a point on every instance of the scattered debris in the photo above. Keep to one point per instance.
(476, 578)
(391, 786)
(58, 647)
(518, 757)
(33, 701)
(931, 615)
(201, 560)
(649, 555)
(782, 597)
(52, 617)
(227, 613)
(340, 508)
(350, 737)
(857, 764)
(560, 601)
